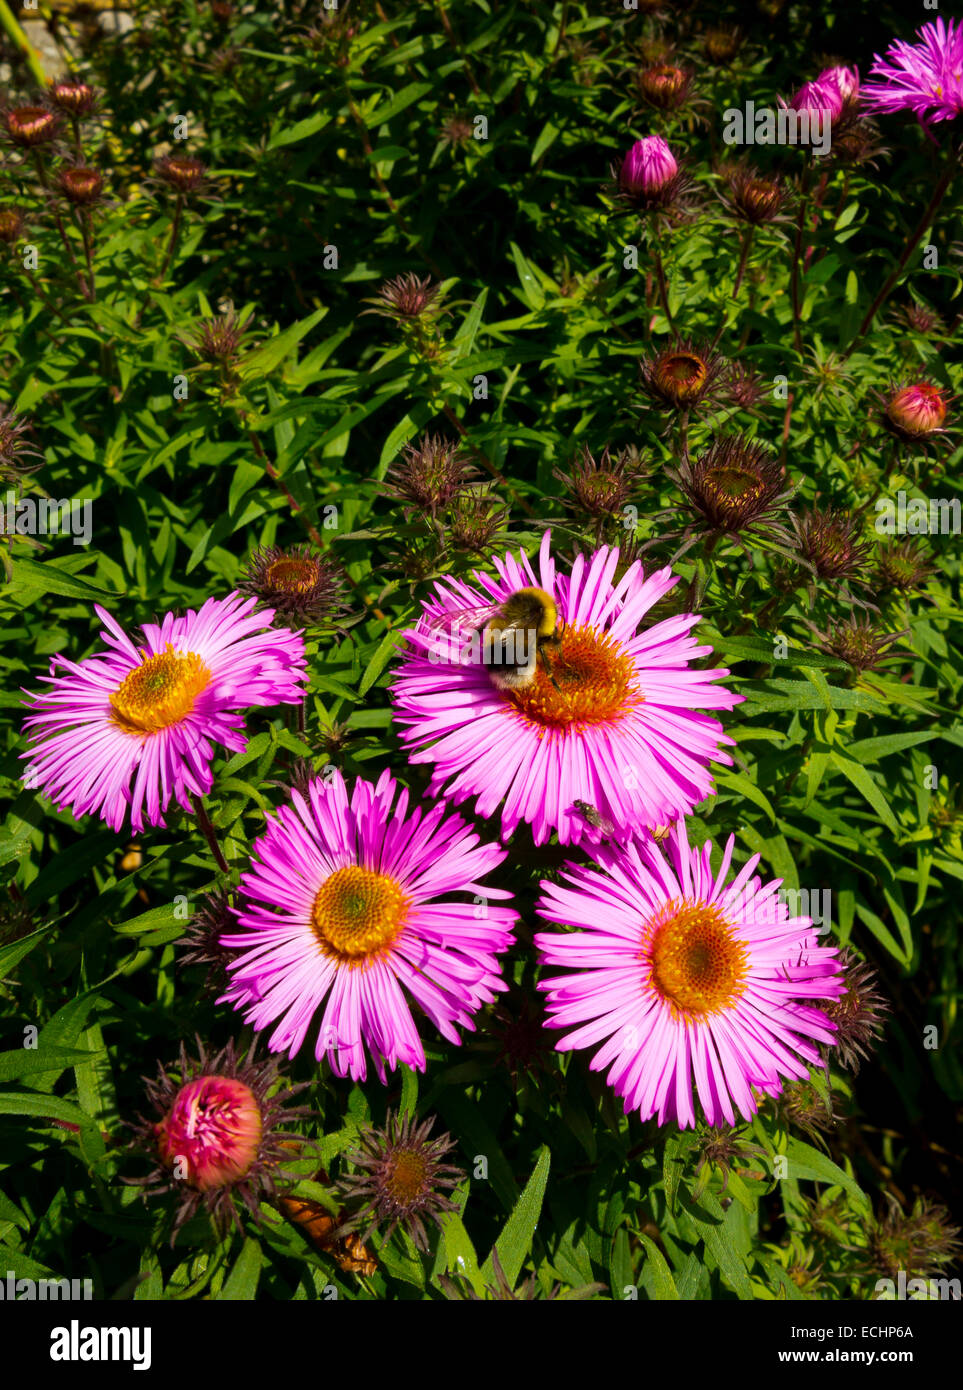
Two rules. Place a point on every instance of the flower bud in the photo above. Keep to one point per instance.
(29, 126)
(73, 98)
(916, 411)
(648, 167)
(11, 225)
(665, 87)
(80, 185)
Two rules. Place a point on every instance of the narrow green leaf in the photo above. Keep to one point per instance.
(515, 1241)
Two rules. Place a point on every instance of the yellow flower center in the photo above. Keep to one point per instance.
(160, 692)
(594, 681)
(357, 914)
(407, 1177)
(698, 966)
(291, 576)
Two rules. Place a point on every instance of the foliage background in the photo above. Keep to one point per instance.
(325, 129)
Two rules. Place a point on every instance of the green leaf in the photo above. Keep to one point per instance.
(657, 1273)
(270, 354)
(549, 134)
(240, 1286)
(40, 1106)
(12, 955)
(412, 93)
(807, 1162)
(531, 290)
(53, 580)
(311, 125)
(376, 665)
(515, 1241)
(24, 1061)
(864, 783)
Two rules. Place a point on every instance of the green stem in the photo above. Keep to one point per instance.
(740, 272)
(925, 221)
(796, 256)
(19, 40)
(175, 229)
(210, 835)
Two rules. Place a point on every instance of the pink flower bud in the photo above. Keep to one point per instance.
(821, 95)
(648, 166)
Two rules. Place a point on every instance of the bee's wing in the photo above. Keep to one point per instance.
(461, 620)
(450, 633)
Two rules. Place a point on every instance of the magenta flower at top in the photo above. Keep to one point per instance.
(925, 77)
(821, 95)
(683, 977)
(132, 728)
(846, 82)
(608, 719)
(357, 907)
(648, 167)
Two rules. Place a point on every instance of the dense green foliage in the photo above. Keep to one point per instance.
(341, 152)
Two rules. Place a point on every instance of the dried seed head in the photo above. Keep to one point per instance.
(802, 1106)
(744, 387)
(752, 197)
(901, 565)
(476, 518)
(16, 454)
(859, 643)
(857, 143)
(829, 539)
(456, 130)
(303, 586)
(218, 339)
(721, 45)
(431, 475)
(203, 938)
(599, 488)
(401, 1179)
(919, 1244)
(920, 318)
(857, 1014)
(737, 485)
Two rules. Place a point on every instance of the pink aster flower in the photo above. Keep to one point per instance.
(679, 975)
(648, 166)
(357, 907)
(924, 77)
(132, 728)
(608, 722)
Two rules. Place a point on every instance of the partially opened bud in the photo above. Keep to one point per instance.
(181, 173)
(80, 185)
(821, 95)
(30, 126)
(648, 167)
(916, 411)
(11, 225)
(664, 86)
(74, 98)
(216, 1134)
